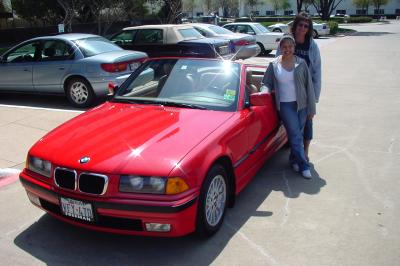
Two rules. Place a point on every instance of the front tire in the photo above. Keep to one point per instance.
(262, 48)
(212, 202)
(79, 92)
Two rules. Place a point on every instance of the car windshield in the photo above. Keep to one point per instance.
(261, 28)
(219, 30)
(187, 83)
(95, 45)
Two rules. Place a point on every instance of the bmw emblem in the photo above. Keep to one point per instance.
(84, 160)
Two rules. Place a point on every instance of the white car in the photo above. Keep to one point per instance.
(320, 29)
(267, 40)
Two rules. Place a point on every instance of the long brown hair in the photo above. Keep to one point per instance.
(303, 16)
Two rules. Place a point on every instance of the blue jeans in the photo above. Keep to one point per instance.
(308, 130)
(294, 122)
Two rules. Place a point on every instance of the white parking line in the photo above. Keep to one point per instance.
(40, 108)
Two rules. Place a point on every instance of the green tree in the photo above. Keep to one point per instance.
(276, 5)
(285, 4)
(379, 3)
(189, 5)
(362, 4)
(326, 7)
(307, 4)
(46, 11)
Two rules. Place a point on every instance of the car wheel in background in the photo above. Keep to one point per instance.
(277, 30)
(262, 48)
(315, 34)
(212, 202)
(267, 52)
(79, 92)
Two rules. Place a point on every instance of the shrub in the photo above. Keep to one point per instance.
(359, 19)
(334, 26)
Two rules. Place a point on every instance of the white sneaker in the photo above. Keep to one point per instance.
(295, 167)
(306, 174)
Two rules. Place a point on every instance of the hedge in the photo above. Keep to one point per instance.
(359, 19)
(333, 26)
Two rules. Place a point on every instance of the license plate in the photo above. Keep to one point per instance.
(77, 209)
(133, 66)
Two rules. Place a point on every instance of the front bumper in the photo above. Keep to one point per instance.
(115, 215)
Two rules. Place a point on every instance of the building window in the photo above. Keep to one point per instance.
(198, 14)
(379, 11)
(341, 11)
(255, 13)
(397, 11)
(270, 13)
(361, 12)
(288, 12)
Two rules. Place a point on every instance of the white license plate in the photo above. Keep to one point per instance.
(77, 209)
(133, 66)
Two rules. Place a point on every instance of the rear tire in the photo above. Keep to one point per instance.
(212, 202)
(277, 30)
(79, 92)
(267, 52)
(262, 48)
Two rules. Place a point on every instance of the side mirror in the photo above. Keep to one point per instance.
(112, 88)
(260, 99)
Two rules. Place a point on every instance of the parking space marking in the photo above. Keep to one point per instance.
(40, 108)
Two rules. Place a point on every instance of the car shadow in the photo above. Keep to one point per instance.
(270, 55)
(55, 242)
(57, 102)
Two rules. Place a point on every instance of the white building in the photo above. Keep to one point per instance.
(267, 9)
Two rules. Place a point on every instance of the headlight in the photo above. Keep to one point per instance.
(39, 166)
(142, 184)
(152, 184)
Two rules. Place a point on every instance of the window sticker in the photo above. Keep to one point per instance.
(230, 95)
(184, 67)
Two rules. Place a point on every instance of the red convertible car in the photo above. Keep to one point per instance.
(165, 156)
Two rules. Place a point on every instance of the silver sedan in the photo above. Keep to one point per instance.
(77, 65)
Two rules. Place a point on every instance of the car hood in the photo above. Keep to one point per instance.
(128, 138)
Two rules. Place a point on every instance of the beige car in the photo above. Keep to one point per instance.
(171, 40)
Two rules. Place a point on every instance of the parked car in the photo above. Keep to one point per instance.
(267, 40)
(320, 29)
(179, 140)
(77, 65)
(171, 40)
(243, 45)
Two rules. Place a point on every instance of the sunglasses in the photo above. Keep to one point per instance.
(304, 25)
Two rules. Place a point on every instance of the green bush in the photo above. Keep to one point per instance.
(359, 19)
(333, 26)
(2, 50)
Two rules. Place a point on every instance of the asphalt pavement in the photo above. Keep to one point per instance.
(348, 214)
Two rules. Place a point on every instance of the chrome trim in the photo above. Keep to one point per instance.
(99, 175)
(66, 169)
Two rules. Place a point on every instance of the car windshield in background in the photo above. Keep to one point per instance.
(261, 28)
(190, 34)
(95, 45)
(219, 30)
(187, 83)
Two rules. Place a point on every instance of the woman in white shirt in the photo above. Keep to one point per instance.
(289, 77)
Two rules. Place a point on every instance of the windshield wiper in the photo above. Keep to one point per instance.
(184, 105)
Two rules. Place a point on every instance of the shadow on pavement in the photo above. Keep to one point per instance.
(55, 242)
(366, 33)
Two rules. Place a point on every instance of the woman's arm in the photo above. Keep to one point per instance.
(311, 108)
(316, 70)
(268, 79)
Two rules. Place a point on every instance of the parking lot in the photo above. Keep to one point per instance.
(346, 215)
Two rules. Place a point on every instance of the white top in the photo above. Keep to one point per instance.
(287, 89)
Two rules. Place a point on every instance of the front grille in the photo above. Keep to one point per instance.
(100, 220)
(93, 183)
(65, 178)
